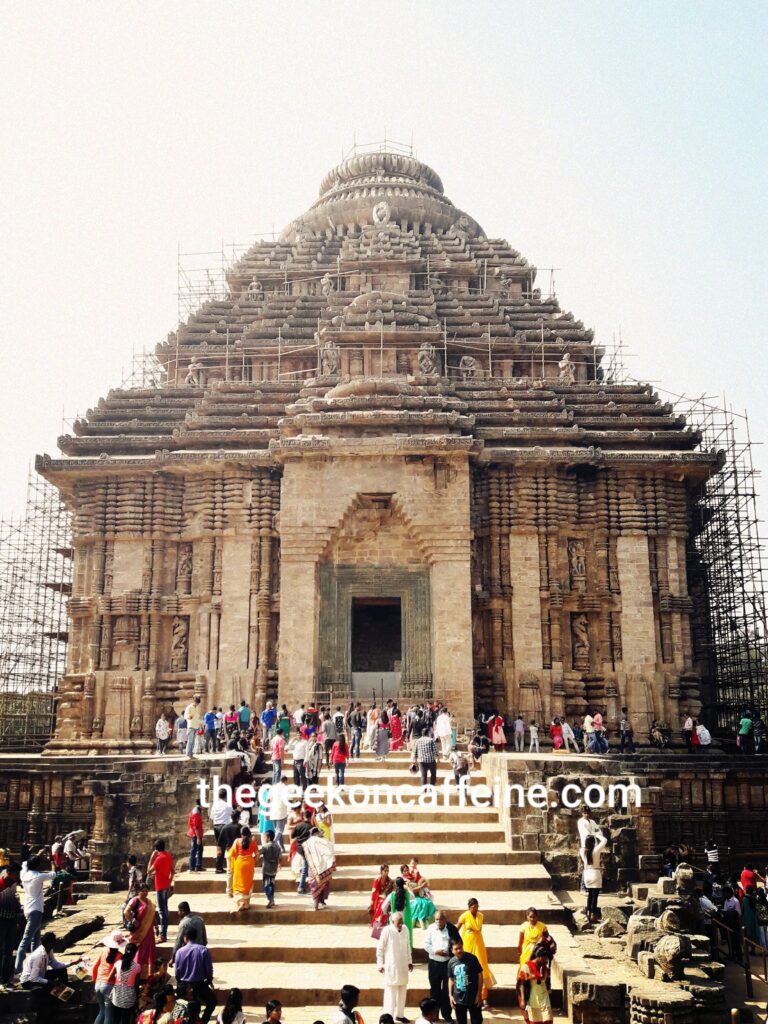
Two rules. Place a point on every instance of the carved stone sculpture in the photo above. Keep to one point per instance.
(577, 564)
(381, 213)
(327, 286)
(580, 640)
(179, 644)
(329, 359)
(468, 367)
(427, 359)
(196, 375)
(671, 951)
(255, 289)
(566, 374)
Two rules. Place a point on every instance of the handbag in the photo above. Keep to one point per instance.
(377, 928)
(413, 768)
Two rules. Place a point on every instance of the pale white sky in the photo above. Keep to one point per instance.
(622, 143)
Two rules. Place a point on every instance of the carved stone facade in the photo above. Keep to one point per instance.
(346, 428)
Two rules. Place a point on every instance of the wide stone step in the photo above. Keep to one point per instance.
(498, 907)
(371, 1011)
(351, 833)
(278, 980)
(359, 879)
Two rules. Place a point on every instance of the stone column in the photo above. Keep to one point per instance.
(526, 607)
(298, 626)
(452, 634)
(638, 627)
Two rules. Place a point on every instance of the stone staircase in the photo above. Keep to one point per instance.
(461, 851)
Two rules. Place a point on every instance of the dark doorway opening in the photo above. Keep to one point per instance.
(377, 639)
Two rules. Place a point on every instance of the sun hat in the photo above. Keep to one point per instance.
(116, 940)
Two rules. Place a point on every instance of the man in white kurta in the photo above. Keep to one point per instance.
(393, 958)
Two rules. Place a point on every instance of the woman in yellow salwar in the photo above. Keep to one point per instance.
(242, 858)
(470, 926)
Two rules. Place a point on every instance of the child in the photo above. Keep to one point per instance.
(533, 988)
(534, 731)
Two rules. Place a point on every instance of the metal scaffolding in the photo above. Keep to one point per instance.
(35, 580)
(726, 571)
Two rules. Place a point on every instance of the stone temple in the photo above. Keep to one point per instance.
(384, 462)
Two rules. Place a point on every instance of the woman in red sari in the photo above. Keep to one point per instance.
(556, 732)
(381, 889)
(396, 725)
(496, 732)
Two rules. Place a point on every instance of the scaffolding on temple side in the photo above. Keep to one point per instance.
(35, 580)
(726, 571)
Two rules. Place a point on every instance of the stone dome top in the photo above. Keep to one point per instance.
(380, 188)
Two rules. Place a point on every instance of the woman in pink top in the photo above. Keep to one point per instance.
(339, 758)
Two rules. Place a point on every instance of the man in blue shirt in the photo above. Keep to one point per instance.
(209, 724)
(194, 970)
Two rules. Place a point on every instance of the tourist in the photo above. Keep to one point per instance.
(532, 934)
(228, 835)
(688, 731)
(400, 901)
(533, 983)
(192, 718)
(371, 723)
(578, 735)
(470, 926)
(465, 984)
(244, 715)
(329, 736)
(429, 1011)
(140, 916)
(162, 734)
(396, 728)
(321, 864)
(41, 968)
(599, 743)
(569, 737)
(588, 731)
(32, 878)
(163, 1005)
(394, 961)
(534, 734)
(496, 735)
(125, 989)
(657, 735)
(279, 808)
(324, 821)
(299, 835)
(593, 876)
(231, 721)
(425, 755)
(299, 756)
(270, 853)
(744, 735)
(232, 1013)
(242, 856)
(704, 735)
(381, 889)
(298, 717)
(478, 746)
(103, 973)
(382, 736)
(732, 921)
(277, 751)
(443, 732)
(356, 726)
(313, 761)
(519, 733)
(758, 734)
(762, 916)
(339, 758)
(194, 967)
(749, 878)
(10, 917)
(188, 921)
(556, 732)
(221, 813)
(195, 835)
(459, 761)
(346, 1012)
(422, 907)
(161, 867)
(626, 734)
(438, 941)
(268, 718)
(209, 725)
(181, 732)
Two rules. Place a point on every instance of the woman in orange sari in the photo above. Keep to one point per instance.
(242, 857)
(140, 913)
(382, 887)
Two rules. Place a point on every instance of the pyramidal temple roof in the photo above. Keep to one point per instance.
(383, 278)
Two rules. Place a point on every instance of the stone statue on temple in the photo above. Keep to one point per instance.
(580, 640)
(577, 563)
(427, 358)
(255, 289)
(179, 644)
(566, 370)
(468, 367)
(329, 359)
(381, 213)
(196, 375)
(504, 287)
(326, 284)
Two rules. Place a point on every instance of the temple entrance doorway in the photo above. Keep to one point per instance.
(377, 646)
